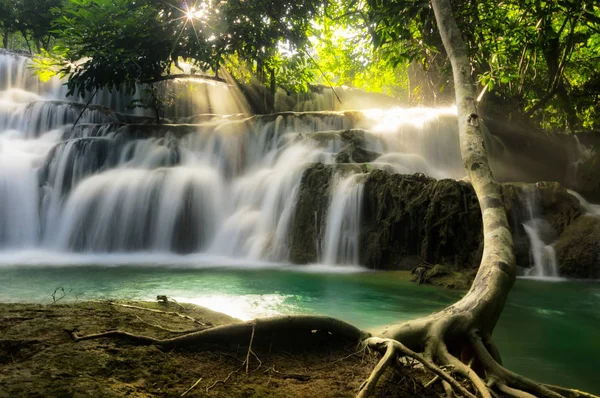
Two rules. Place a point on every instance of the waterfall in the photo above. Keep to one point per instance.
(590, 208)
(342, 233)
(544, 256)
(539, 232)
(211, 181)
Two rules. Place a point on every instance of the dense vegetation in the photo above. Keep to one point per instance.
(534, 60)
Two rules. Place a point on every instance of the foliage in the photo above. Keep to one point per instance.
(110, 43)
(536, 57)
(30, 19)
(346, 57)
(105, 43)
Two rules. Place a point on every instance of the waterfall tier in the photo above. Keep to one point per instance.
(305, 187)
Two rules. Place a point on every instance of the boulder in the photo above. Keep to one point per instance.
(578, 249)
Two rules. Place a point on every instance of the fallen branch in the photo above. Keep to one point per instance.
(160, 312)
(56, 300)
(250, 349)
(167, 329)
(239, 332)
(192, 387)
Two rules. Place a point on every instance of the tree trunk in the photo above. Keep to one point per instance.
(273, 89)
(497, 270)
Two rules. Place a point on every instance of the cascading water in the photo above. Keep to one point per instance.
(226, 186)
(544, 256)
(541, 250)
(342, 234)
(590, 208)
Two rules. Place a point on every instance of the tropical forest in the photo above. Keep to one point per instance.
(300, 198)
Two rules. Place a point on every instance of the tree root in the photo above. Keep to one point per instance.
(394, 346)
(221, 381)
(390, 355)
(434, 332)
(499, 381)
(570, 393)
(239, 332)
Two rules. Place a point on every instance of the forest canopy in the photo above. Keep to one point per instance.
(533, 60)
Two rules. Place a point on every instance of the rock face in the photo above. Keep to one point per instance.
(578, 249)
(311, 212)
(412, 220)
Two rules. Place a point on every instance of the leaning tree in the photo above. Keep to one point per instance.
(462, 330)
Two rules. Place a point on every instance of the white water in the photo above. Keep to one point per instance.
(225, 188)
(590, 208)
(544, 256)
(342, 233)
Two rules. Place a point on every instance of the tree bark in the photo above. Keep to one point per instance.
(497, 270)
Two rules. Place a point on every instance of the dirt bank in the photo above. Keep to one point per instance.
(38, 358)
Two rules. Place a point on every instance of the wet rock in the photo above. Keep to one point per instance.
(414, 220)
(578, 249)
(443, 275)
(356, 154)
(311, 213)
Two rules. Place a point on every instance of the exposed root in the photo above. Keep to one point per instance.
(511, 392)
(432, 382)
(570, 393)
(448, 389)
(369, 385)
(379, 343)
(464, 370)
(435, 357)
(507, 379)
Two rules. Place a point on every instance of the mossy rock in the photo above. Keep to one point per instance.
(409, 219)
(578, 249)
(311, 212)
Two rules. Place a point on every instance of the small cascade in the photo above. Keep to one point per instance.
(544, 256)
(590, 208)
(541, 235)
(342, 232)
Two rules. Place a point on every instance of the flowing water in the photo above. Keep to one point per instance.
(225, 186)
(343, 221)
